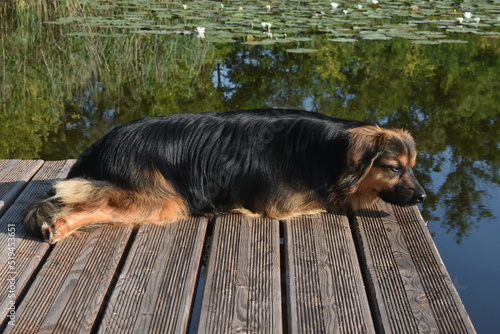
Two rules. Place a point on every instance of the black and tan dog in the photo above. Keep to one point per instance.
(263, 163)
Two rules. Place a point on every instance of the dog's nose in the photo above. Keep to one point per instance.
(420, 197)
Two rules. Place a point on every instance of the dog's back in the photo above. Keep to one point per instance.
(222, 160)
(268, 163)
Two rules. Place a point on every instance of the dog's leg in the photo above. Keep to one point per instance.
(287, 205)
(79, 202)
(246, 212)
(63, 226)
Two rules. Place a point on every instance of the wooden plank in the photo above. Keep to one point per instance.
(409, 284)
(14, 175)
(242, 292)
(325, 287)
(20, 254)
(68, 291)
(155, 290)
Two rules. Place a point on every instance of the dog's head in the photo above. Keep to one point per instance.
(381, 165)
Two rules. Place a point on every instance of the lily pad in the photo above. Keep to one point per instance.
(374, 36)
(301, 50)
(343, 40)
(298, 20)
(426, 42)
(261, 42)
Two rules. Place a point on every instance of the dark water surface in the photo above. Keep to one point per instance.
(61, 92)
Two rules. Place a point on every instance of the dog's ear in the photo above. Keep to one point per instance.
(366, 143)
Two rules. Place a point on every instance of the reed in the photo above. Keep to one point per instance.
(50, 76)
(104, 58)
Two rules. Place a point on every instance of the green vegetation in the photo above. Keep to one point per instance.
(53, 82)
(70, 72)
(268, 22)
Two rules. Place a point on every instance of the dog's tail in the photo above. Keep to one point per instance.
(41, 215)
(75, 203)
(68, 196)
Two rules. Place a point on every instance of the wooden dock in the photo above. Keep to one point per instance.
(377, 272)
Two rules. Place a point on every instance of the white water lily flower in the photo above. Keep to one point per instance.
(270, 35)
(374, 2)
(200, 31)
(268, 7)
(266, 25)
(184, 7)
(345, 11)
(359, 7)
(460, 20)
(477, 19)
(468, 15)
(334, 5)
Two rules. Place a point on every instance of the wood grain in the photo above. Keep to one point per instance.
(435, 280)
(242, 292)
(409, 286)
(155, 290)
(28, 252)
(69, 289)
(14, 175)
(325, 287)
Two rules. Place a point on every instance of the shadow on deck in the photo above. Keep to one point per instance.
(377, 272)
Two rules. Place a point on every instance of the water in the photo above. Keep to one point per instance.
(63, 90)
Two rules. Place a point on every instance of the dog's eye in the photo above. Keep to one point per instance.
(394, 169)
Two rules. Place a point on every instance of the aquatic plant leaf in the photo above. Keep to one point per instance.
(301, 50)
(426, 41)
(301, 20)
(374, 36)
(261, 42)
(343, 40)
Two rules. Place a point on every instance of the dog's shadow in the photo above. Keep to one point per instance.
(371, 213)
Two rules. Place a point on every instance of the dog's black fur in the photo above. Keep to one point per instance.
(218, 161)
(269, 162)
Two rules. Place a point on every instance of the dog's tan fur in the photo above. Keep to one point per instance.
(83, 202)
(79, 202)
(373, 179)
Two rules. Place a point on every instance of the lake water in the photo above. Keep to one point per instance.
(69, 75)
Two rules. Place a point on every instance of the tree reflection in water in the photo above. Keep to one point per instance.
(68, 91)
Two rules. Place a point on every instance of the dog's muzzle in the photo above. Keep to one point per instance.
(406, 193)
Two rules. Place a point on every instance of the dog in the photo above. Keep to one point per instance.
(272, 163)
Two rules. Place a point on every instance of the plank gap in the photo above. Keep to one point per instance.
(195, 312)
(370, 293)
(22, 294)
(283, 283)
(14, 177)
(112, 285)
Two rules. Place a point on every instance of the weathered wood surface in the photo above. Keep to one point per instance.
(154, 292)
(14, 175)
(66, 295)
(411, 290)
(304, 275)
(325, 287)
(242, 292)
(26, 253)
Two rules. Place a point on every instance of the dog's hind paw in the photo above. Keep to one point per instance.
(51, 233)
(39, 217)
